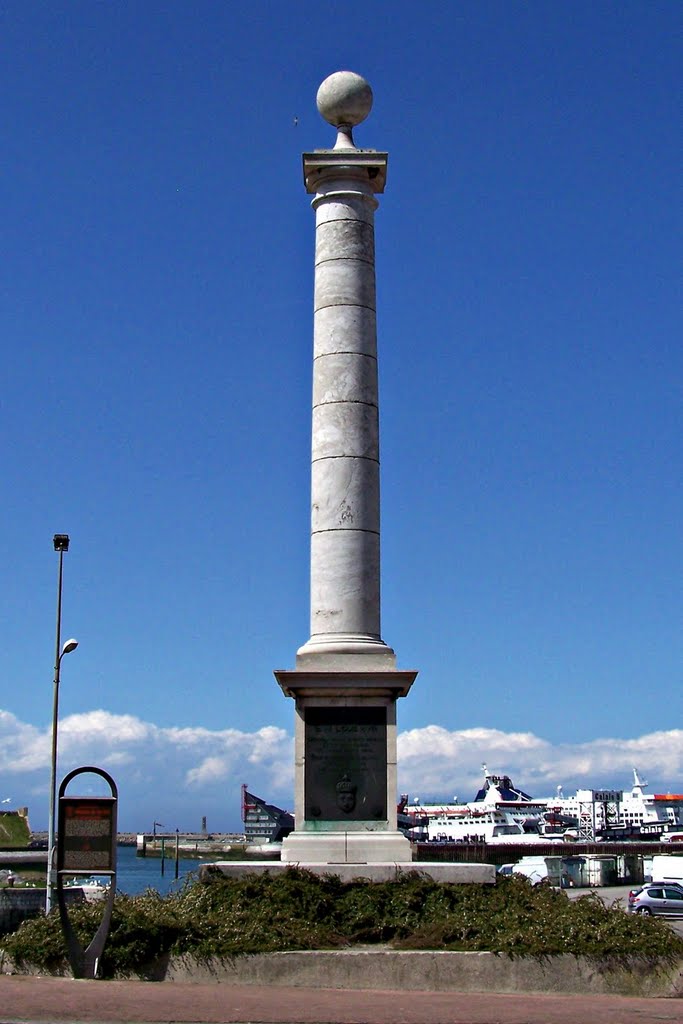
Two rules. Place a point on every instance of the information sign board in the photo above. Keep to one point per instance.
(87, 834)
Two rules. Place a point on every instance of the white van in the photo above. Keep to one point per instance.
(667, 868)
(536, 869)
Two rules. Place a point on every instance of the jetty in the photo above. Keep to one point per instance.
(188, 844)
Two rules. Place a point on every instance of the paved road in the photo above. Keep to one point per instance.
(115, 1002)
(619, 894)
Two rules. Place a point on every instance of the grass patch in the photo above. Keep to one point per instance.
(14, 831)
(298, 910)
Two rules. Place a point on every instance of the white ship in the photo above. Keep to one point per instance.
(600, 811)
(489, 826)
(501, 813)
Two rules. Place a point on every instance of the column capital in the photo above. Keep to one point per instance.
(368, 165)
(302, 683)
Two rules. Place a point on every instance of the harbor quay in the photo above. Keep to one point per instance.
(621, 861)
(188, 844)
(148, 844)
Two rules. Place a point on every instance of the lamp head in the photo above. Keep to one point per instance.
(69, 646)
(61, 542)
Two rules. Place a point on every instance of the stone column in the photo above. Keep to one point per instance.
(345, 683)
(345, 505)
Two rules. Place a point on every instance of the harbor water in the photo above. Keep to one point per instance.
(135, 874)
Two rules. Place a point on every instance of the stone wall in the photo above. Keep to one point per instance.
(17, 905)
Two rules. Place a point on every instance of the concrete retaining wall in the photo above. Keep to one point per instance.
(17, 905)
(434, 972)
(409, 971)
(382, 871)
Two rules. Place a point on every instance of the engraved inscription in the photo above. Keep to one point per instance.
(346, 764)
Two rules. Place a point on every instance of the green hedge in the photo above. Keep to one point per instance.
(299, 910)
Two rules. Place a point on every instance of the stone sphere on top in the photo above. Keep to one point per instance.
(344, 98)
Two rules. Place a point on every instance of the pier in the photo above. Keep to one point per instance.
(506, 853)
(189, 844)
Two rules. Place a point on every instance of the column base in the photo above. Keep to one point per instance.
(346, 848)
(335, 652)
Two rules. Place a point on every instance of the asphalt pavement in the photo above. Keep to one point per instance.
(610, 894)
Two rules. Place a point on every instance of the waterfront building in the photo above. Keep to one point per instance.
(264, 822)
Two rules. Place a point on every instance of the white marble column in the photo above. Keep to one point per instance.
(345, 503)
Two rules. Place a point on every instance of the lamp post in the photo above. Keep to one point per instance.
(61, 544)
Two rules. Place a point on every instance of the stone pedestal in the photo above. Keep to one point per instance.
(345, 767)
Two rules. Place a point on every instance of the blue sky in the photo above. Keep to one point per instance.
(156, 324)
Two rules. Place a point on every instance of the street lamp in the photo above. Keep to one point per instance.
(61, 544)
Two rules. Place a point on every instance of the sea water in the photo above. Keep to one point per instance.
(135, 874)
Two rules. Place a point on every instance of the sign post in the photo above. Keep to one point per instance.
(87, 846)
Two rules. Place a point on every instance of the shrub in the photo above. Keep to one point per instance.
(299, 910)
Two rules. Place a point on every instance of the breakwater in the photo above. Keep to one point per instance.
(188, 844)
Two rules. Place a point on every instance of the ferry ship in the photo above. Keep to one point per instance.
(500, 813)
(641, 815)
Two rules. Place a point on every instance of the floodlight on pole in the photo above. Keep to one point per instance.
(61, 544)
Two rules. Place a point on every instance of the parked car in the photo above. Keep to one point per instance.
(671, 885)
(664, 899)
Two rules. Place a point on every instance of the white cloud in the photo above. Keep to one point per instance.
(269, 748)
(97, 728)
(23, 748)
(177, 774)
(212, 769)
(442, 763)
(159, 771)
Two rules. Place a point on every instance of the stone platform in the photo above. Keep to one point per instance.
(388, 871)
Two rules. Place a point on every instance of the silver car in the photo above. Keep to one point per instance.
(657, 898)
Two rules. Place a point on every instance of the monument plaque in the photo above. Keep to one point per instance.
(346, 764)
